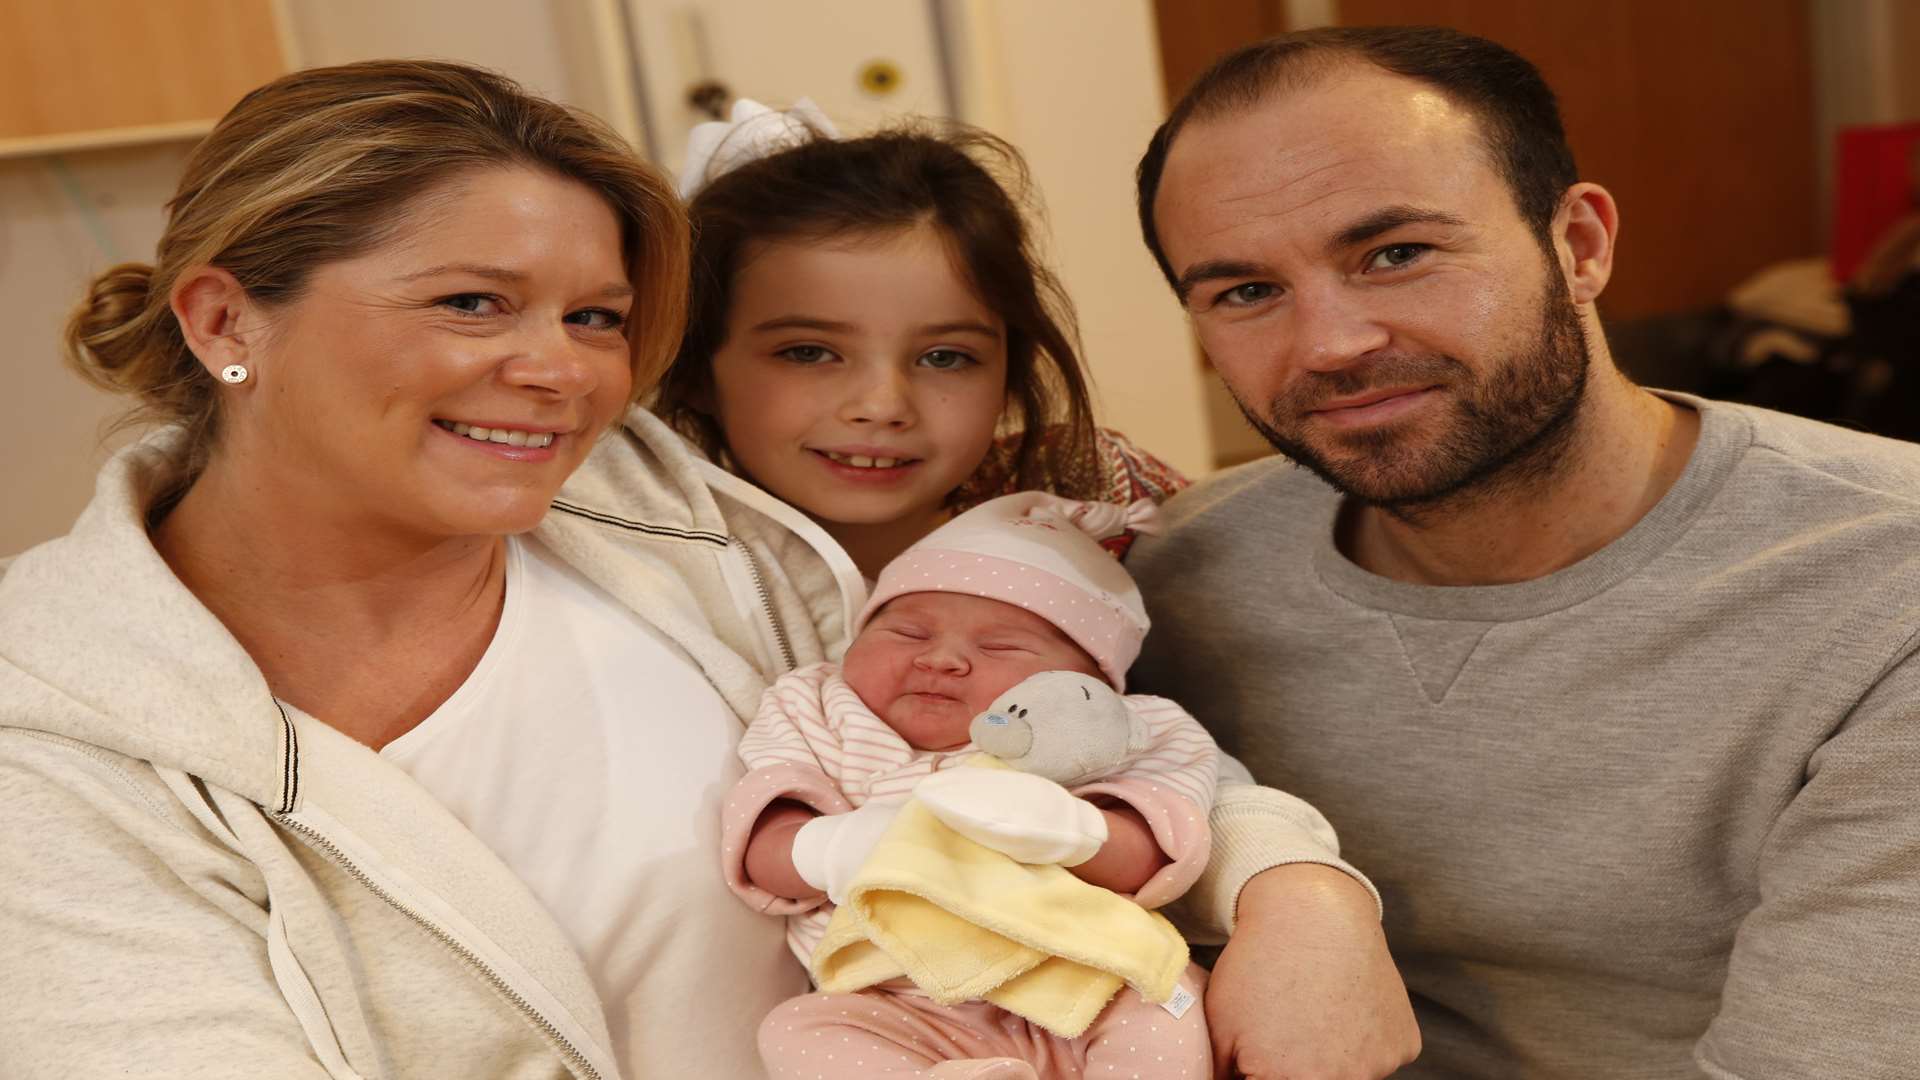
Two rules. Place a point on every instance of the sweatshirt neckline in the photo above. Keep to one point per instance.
(1725, 434)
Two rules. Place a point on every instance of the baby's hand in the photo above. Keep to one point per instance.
(1027, 818)
(828, 851)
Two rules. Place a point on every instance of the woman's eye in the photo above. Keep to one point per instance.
(1252, 292)
(946, 359)
(806, 354)
(472, 303)
(597, 319)
(1391, 258)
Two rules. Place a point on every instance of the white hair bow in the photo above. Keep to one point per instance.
(1100, 520)
(720, 146)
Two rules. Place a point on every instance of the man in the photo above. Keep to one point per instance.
(1612, 692)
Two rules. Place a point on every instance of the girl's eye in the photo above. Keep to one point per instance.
(472, 303)
(1396, 256)
(1005, 647)
(597, 319)
(806, 354)
(1253, 292)
(946, 359)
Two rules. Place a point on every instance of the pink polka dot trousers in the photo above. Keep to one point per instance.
(878, 1033)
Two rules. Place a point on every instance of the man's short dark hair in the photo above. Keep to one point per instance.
(1518, 116)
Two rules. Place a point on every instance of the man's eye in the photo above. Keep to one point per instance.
(1252, 292)
(805, 354)
(1390, 258)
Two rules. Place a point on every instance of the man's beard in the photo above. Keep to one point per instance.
(1508, 429)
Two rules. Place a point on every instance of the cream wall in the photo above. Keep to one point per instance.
(61, 221)
(1073, 83)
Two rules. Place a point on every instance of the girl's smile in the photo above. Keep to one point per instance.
(861, 379)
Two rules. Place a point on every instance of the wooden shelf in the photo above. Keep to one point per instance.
(86, 74)
(108, 138)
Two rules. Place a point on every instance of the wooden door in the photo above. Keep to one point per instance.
(1697, 115)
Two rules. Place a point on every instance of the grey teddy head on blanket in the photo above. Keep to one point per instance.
(1065, 726)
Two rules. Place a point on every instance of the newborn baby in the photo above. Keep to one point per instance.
(1015, 587)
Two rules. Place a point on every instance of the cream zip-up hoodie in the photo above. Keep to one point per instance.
(192, 883)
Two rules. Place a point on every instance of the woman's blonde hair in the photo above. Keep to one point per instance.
(322, 165)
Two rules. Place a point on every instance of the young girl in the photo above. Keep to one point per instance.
(871, 337)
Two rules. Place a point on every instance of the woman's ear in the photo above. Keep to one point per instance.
(215, 313)
(1584, 231)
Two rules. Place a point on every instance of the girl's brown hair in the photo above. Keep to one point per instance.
(323, 165)
(826, 188)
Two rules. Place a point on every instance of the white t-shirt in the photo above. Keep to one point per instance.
(593, 757)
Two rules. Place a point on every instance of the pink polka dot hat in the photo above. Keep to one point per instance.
(1042, 553)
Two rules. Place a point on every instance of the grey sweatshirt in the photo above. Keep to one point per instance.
(1654, 815)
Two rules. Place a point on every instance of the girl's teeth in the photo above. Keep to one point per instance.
(861, 461)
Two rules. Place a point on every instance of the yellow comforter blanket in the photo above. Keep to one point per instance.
(965, 922)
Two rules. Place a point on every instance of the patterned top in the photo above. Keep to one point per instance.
(815, 742)
(1117, 472)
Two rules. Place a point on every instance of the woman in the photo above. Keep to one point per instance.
(311, 763)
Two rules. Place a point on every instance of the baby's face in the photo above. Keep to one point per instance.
(928, 663)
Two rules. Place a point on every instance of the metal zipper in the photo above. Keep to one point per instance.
(576, 1061)
(766, 603)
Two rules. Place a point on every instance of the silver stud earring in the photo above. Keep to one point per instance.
(234, 374)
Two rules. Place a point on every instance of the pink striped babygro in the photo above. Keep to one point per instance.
(815, 742)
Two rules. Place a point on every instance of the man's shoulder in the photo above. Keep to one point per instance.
(1257, 511)
(1268, 485)
(1829, 456)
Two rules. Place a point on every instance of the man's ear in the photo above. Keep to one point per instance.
(214, 314)
(1584, 231)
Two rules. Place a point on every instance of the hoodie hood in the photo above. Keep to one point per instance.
(99, 642)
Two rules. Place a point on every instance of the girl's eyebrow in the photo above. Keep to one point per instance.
(830, 326)
(803, 322)
(964, 326)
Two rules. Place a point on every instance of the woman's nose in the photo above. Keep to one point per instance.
(557, 364)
